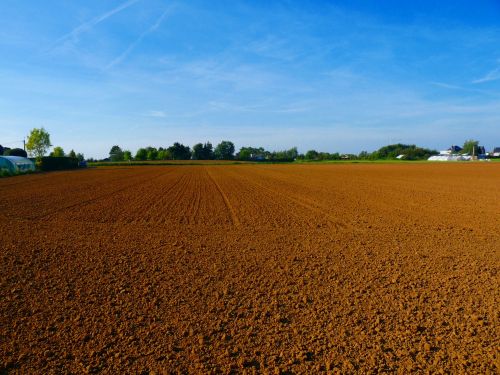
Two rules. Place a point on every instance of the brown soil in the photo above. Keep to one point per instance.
(252, 268)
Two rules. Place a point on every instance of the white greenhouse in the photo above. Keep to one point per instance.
(16, 164)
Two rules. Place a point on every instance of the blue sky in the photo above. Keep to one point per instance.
(330, 75)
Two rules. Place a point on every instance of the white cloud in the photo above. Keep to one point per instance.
(446, 85)
(157, 114)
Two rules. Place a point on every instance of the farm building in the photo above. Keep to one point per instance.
(449, 157)
(16, 164)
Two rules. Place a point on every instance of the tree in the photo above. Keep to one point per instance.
(116, 153)
(141, 154)
(203, 151)
(164, 154)
(363, 155)
(72, 154)
(198, 151)
(16, 152)
(127, 155)
(311, 155)
(57, 152)
(285, 155)
(38, 142)
(179, 152)
(152, 153)
(253, 153)
(245, 153)
(410, 152)
(208, 151)
(224, 151)
(80, 157)
(1, 150)
(469, 146)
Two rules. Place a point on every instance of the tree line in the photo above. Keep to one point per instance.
(38, 144)
(225, 150)
(200, 151)
(407, 152)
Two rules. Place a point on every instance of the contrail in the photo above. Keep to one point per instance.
(134, 44)
(86, 26)
(491, 76)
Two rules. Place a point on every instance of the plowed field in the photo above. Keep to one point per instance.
(252, 268)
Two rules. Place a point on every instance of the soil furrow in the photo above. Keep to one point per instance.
(331, 268)
(230, 208)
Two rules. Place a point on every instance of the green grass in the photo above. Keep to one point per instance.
(165, 162)
(236, 162)
(363, 161)
(6, 173)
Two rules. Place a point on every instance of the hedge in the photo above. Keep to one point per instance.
(51, 163)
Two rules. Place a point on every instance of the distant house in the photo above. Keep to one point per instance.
(452, 154)
(496, 152)
(455, 149)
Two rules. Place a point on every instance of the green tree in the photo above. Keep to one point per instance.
(127, 155)
(410, 152)
(245, 153)
(57, 152)
(253, 153)
(38, 142)
(197, 152)
(72, 154)
(311, 155)
(116, 153)
(203, 151)
(469, 146)
(179, 152)
(141, 154)
(363, 155)
(208, 151)
(152, 153)
(164, 154)
(80, 157)
(285, 155)
(224, 151)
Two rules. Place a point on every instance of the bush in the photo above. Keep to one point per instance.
(48, 163)
(5, 173)
(16, 152)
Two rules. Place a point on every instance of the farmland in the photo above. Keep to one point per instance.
(219, 268)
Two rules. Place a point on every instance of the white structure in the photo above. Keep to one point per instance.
(450, 157)
(16, 164)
